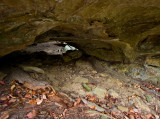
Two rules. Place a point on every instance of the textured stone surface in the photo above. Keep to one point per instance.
(153, 61)
(136, 71)
(81, 80)
(113, 30)
(100, 92)
(123, 109)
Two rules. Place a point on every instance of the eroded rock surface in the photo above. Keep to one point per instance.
(113, 30)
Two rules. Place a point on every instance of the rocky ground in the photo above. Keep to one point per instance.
(79, 87)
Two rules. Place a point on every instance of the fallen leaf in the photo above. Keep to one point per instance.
(33, 92)
(137, 116)
(156, 108)
(87, 87)
(12, 87)
(32, 114)
(39, 101)
(59, 100)
(12, 100)
(92, 99)
(150, 116)
(2, 82)
(32, 102)
(30, 91)
(116, 113)
(6, 103)
(107, 96)
(93, 107)
(44, 97)
(109, 105)
(131, 111)
(143, 117)
(4, 115)
(52, 94)
(64, 112)
(77, 102)
(125, 117)
(28, 96)
(88, 95)
(131, 117)
(42, 112)
(3, 98)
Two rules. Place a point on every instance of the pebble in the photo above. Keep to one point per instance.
(100, 92)
(113, 93)
(94, 72)
(91, 104)
(123, 109)
(103, 75)
(81, 80)
(81, 72)
(32, 69)
(94, 113)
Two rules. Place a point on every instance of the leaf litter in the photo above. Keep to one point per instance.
(29, 98)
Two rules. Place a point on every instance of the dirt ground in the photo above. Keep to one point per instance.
(84, 88)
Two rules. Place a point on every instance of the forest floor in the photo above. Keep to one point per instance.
(84, 88)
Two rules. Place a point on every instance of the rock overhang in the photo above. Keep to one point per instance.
(110, 30)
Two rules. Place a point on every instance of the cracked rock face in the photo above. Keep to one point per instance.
(112, 30)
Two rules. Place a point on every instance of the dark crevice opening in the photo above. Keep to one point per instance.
(54, 50)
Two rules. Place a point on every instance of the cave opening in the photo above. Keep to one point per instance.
(53, 50)
(79, 59)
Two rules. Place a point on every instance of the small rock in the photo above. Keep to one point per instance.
(103, 75)
(100, 92)
(113, 93)
(83, 64)
(32, 69)
(154, 80)
(140, 104)
(153, 61)
(81, 72)
(123, 109)
(81, 80)
(135, 110)
(94, 72)
(43, 112)
(91, 104)
(5, 115)
(157, 117)
(71, 55)
(96, 113)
